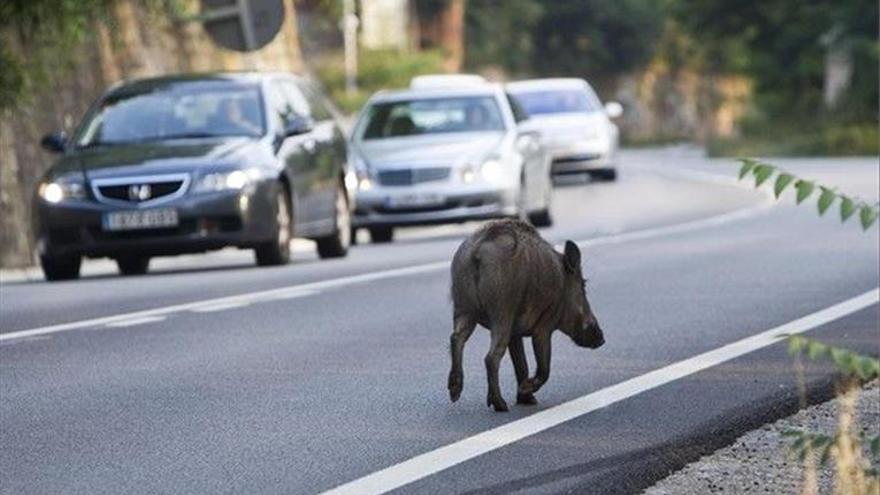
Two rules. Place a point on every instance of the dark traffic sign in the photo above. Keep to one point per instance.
(242, 25)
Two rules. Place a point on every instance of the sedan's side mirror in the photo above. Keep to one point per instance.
(55, 142)
(298, 125)
(613, 109)
(528, 140)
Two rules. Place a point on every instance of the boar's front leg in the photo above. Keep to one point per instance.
(461, 332)
(521, 367)
(541, 345)
(500, 338)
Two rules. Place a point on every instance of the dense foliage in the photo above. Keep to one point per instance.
(592, 37)
(37, 38)
(47, 28)
(780, 45)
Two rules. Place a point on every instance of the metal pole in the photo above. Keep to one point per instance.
(349, 31)
(247, 30)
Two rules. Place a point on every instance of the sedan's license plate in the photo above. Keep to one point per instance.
(415, 200)
(141, 219)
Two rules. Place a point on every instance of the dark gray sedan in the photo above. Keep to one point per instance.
(193, 163)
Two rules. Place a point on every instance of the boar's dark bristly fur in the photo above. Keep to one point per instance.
(508, 279)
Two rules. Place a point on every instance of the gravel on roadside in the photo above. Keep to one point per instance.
(762, 462)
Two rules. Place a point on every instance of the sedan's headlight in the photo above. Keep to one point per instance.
(56, 192)
(492, 171)
(364, 183)
(226, 181)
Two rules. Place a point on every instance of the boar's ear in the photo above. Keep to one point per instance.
(572, 257)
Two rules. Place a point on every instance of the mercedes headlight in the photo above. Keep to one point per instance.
(226, 181)
(492, 171)
(56, 191)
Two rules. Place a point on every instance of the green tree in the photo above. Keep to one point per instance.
(779, 44)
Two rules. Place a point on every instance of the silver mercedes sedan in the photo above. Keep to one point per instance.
(444, 155)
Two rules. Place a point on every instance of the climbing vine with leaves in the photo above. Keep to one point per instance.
(827, 196)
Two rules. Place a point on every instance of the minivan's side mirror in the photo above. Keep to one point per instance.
(55, 142)
(298, 125)
(613, 109)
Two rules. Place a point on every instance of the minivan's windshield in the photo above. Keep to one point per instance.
(176, 111)
(433, 116)
(557, 101)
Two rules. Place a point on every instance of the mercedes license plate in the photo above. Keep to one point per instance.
(415, 200)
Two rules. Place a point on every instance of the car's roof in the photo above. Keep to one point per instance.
(445, 81)
(239, 77)
(547, 84)
(487, 89)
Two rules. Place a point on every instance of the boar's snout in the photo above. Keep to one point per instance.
(590, 336)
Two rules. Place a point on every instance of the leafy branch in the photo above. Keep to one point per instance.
(848, 205)
(849, 362)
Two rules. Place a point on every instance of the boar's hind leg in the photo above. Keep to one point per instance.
(521, 368)
(500, 339)
(462, 329)
(541, 345)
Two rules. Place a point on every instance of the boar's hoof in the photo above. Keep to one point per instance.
(526, 399)
(498, 403)
(455, 386)
(527, 387)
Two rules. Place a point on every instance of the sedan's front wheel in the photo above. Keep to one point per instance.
(381, 235)
(277, 251)
(336, 245)
(60, 267)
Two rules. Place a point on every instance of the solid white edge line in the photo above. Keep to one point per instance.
(437, 460)
(135, 321)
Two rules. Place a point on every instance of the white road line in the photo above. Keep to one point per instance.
(679, 228)
(244, 298)
(313, 287)
(211, 308)
(135, 321)
(445, 457)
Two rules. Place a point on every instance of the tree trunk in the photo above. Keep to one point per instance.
(452, 35)
(444, 29)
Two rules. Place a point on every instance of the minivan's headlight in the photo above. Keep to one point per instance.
(225, 181)
(56, 191)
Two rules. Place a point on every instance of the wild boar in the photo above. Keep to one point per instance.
(509, 280)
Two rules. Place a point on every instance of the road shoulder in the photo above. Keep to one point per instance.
(762, 461)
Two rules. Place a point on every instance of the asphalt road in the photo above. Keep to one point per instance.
(212, 376)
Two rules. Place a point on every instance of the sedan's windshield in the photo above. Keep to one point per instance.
(433, 116)
(557, 101)
(178, 111)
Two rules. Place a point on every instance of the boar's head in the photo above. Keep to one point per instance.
(578, 320)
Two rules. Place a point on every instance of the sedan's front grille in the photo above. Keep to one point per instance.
(143, 190)
(410, 176)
